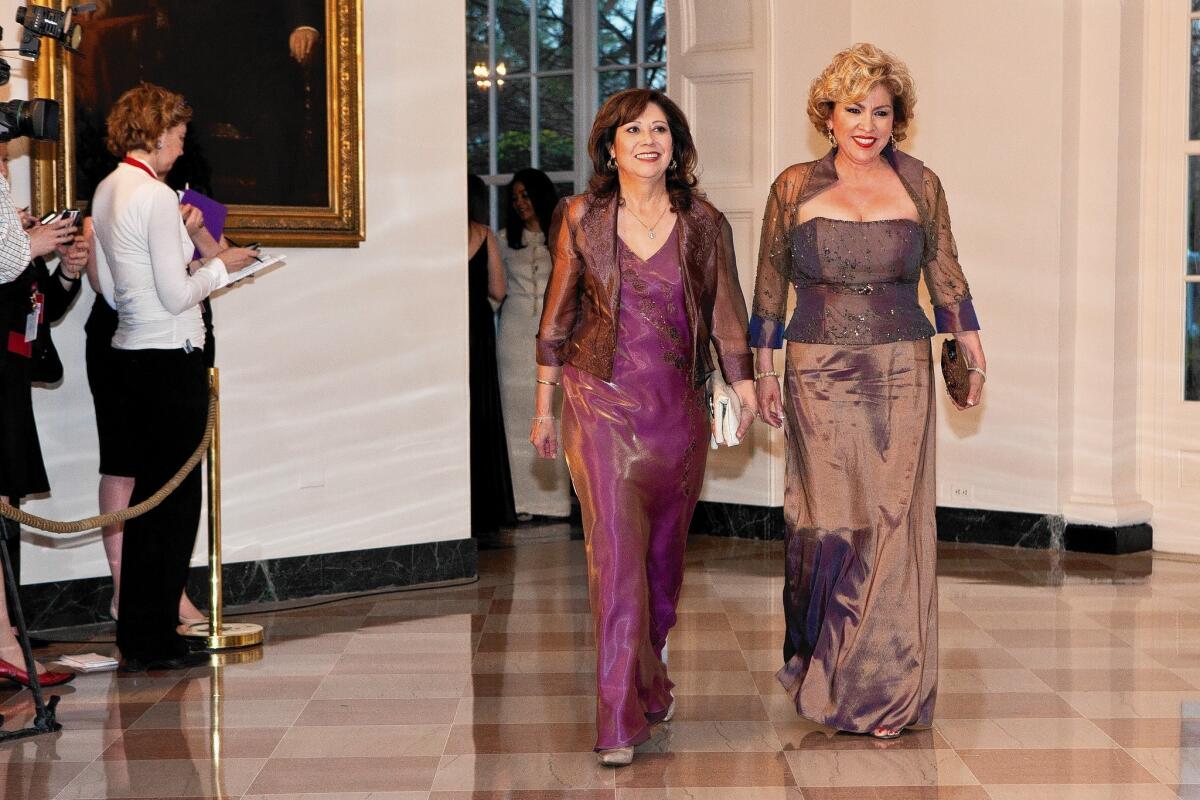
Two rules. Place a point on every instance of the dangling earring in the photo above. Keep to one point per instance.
(612, 163)
(893, 142)
(158, 145)
(673, 165)
(829, 135)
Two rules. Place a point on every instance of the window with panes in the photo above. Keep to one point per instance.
(537, 71)
(1190, 272)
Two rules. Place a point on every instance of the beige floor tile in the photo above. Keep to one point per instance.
(1130, 732)
(322, 713)
(710, 793)
(360, 774)
(1109, 680)
(392, 687)
(952, 681)
(69, 745)
(402, 664)
(351, 741)
(542, 737)
(1057, 791)
(158, 780)
(1022, 734)
(194, 743)
(550, 771)
(886, 767)
(384, 644)
(236, 688)
(1107, 705)
(40, 780)
(1083, 658)
(741, 769)
(992, 705)
(341, 796)
(1082, 765)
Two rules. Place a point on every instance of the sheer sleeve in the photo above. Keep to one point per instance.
(774, 262)
(953, 310)
(561, 305)
(729, 312)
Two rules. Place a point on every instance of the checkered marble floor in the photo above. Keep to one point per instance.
(1063, 677)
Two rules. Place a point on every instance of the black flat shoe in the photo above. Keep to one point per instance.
(186, 661)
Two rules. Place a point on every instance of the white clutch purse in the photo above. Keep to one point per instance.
(725, 411)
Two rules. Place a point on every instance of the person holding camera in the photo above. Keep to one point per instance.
(144, 267)
(30, 299)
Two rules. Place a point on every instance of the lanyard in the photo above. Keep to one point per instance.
(133, 162)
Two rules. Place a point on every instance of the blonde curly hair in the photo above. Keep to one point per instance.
(851, 75)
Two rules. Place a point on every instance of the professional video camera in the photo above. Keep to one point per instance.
(38, 118)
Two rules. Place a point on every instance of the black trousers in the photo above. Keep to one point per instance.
(167, 393)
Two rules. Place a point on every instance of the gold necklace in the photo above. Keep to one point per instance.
(649, 228)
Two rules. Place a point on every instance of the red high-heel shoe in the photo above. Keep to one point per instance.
(17, 675)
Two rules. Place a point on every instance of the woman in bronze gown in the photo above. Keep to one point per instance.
(853, 232)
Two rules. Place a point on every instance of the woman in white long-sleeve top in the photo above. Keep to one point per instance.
(144, 246)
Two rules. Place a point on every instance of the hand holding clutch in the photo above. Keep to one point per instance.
(725, 412)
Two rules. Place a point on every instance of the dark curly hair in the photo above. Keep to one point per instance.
(624, 107)
(542, 196)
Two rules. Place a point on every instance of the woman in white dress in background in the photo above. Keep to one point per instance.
(540, 486)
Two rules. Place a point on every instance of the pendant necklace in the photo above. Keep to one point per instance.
(649, 228)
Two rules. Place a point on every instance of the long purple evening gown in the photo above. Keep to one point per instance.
(636, 450)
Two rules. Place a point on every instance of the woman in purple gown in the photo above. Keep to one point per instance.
(644, 279)
(853, 234)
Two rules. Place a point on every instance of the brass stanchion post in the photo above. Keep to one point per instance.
(217, 634)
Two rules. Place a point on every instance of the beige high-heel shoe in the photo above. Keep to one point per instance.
(616, 757)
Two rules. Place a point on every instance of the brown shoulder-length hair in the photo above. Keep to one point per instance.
(624, 107)
(143, 114)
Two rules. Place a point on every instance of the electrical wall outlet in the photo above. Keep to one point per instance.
(960, 493)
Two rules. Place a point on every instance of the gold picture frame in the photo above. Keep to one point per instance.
(339, 223)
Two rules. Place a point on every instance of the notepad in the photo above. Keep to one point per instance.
(88, 662)
(266, 261)
(213, 212)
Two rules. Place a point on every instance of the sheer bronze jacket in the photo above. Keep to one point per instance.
(582, 304)
(845, 312)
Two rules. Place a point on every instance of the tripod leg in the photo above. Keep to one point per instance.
(45, 713)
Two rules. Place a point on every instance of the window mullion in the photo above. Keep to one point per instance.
(535, 124)
(639, 37)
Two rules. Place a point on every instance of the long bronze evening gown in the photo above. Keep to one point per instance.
(860, 596)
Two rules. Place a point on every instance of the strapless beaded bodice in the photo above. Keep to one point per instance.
(856, 282)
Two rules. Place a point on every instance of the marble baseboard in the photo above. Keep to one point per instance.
(1116, 541)
(85, 601)
(738, 520)
(967, 525)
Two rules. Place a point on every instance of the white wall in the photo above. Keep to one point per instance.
(346, 367)
(1029, 114)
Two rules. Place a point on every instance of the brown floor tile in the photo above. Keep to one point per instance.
(150, 745)
(525, 684)
(895, 793)
(313, 775)
(1151, 732)
(511, 642)
(421, 623)
(543, 606)
(885, 767)
(378, 712)
(535, 661)
(532, 738)
(247, 688)
(759, 640)
(1075, 766)
(716, 682)
(977, 658)
(652, 770)
(696, 621)
(393, 687)
(1121, 680)
(1003, 704)
(525, 710)
(679, 660)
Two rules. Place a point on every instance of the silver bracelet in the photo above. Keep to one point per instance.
(980, 371)
(536, 419)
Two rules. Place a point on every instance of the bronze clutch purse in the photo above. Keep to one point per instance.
(955, 371)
